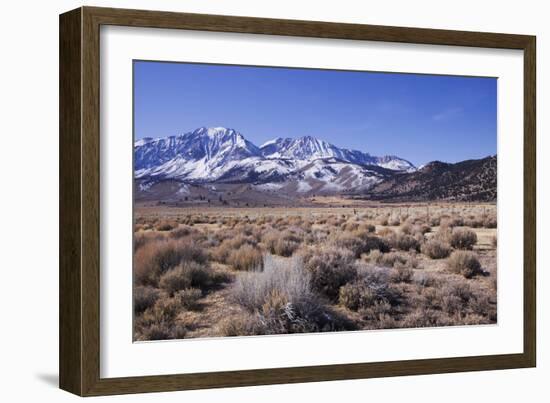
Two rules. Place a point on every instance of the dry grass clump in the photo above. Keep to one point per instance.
(357, 295)
(359, 242)
(182, 231)
(464, 263)
(153, 330)
(424, 280)
(242, 325)
(191, 275)
(394, 221)
(371, 286)
(247, 257)
(451, 302)
(463, 238)
(142, 238)
(166, 225)
(425, 318)
(392, 259)
(410, 228)
(159, 321)
(467, 301)
(401, 274)
(155, 258)
(229, 242)
(281, 243)
(473, 221)
(386, 232)
(189, 297)
(436, 249)
(404, 242)
(451, 221)
(366, 228)
(330, 268)
(144, 297)
(490, 222)
(351, 225)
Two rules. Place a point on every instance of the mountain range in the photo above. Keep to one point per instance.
(221, 155)
(470, 180)
(215, 161)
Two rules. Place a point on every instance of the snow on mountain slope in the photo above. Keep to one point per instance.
(224, 155)
(216, 146)
(302, 148)
(332, 174)
(309, 148)
(395, 163)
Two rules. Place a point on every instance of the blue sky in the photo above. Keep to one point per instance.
(417, 117)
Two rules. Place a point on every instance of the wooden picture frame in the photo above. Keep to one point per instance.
(79, 346)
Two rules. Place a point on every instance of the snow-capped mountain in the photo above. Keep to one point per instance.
(199, 152)
(309, 148)
(219, 154)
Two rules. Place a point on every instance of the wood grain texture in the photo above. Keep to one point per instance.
(80, 201)
(530, 202)
(70, 314)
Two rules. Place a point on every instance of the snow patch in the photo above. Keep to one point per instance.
(303, 187)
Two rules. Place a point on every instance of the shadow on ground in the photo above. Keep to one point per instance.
(49, 379)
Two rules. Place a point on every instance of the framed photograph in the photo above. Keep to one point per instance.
(249, 201)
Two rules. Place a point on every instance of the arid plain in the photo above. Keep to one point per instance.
(334, 264)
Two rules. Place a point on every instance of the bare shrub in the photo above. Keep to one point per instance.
(490, 222)
(155, 258)
(182, 231)
(230, 241)
(330, 268)
(464, 263)
(467, 301)
(384, 220)
(443, 234)
(425, 318)
(158, 321)
(189, 297)
(372, 285)
(386, 232)
(422, 228)
(356, 295)
(161, 331)
(434, 220)
(367, 227)
(436, 249)
(394, 221)
(462, 238)
(281, 243)
(282, 296)
(190, 275)
(166, 226)
(242, 325)
(404, 242)
(426, 280)
(387, 259)
(350, 242)
(473, 221)
(380, 313)
(401, 274)
(144, 297)
(351, 225)
(359, 242)
(247, 257)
